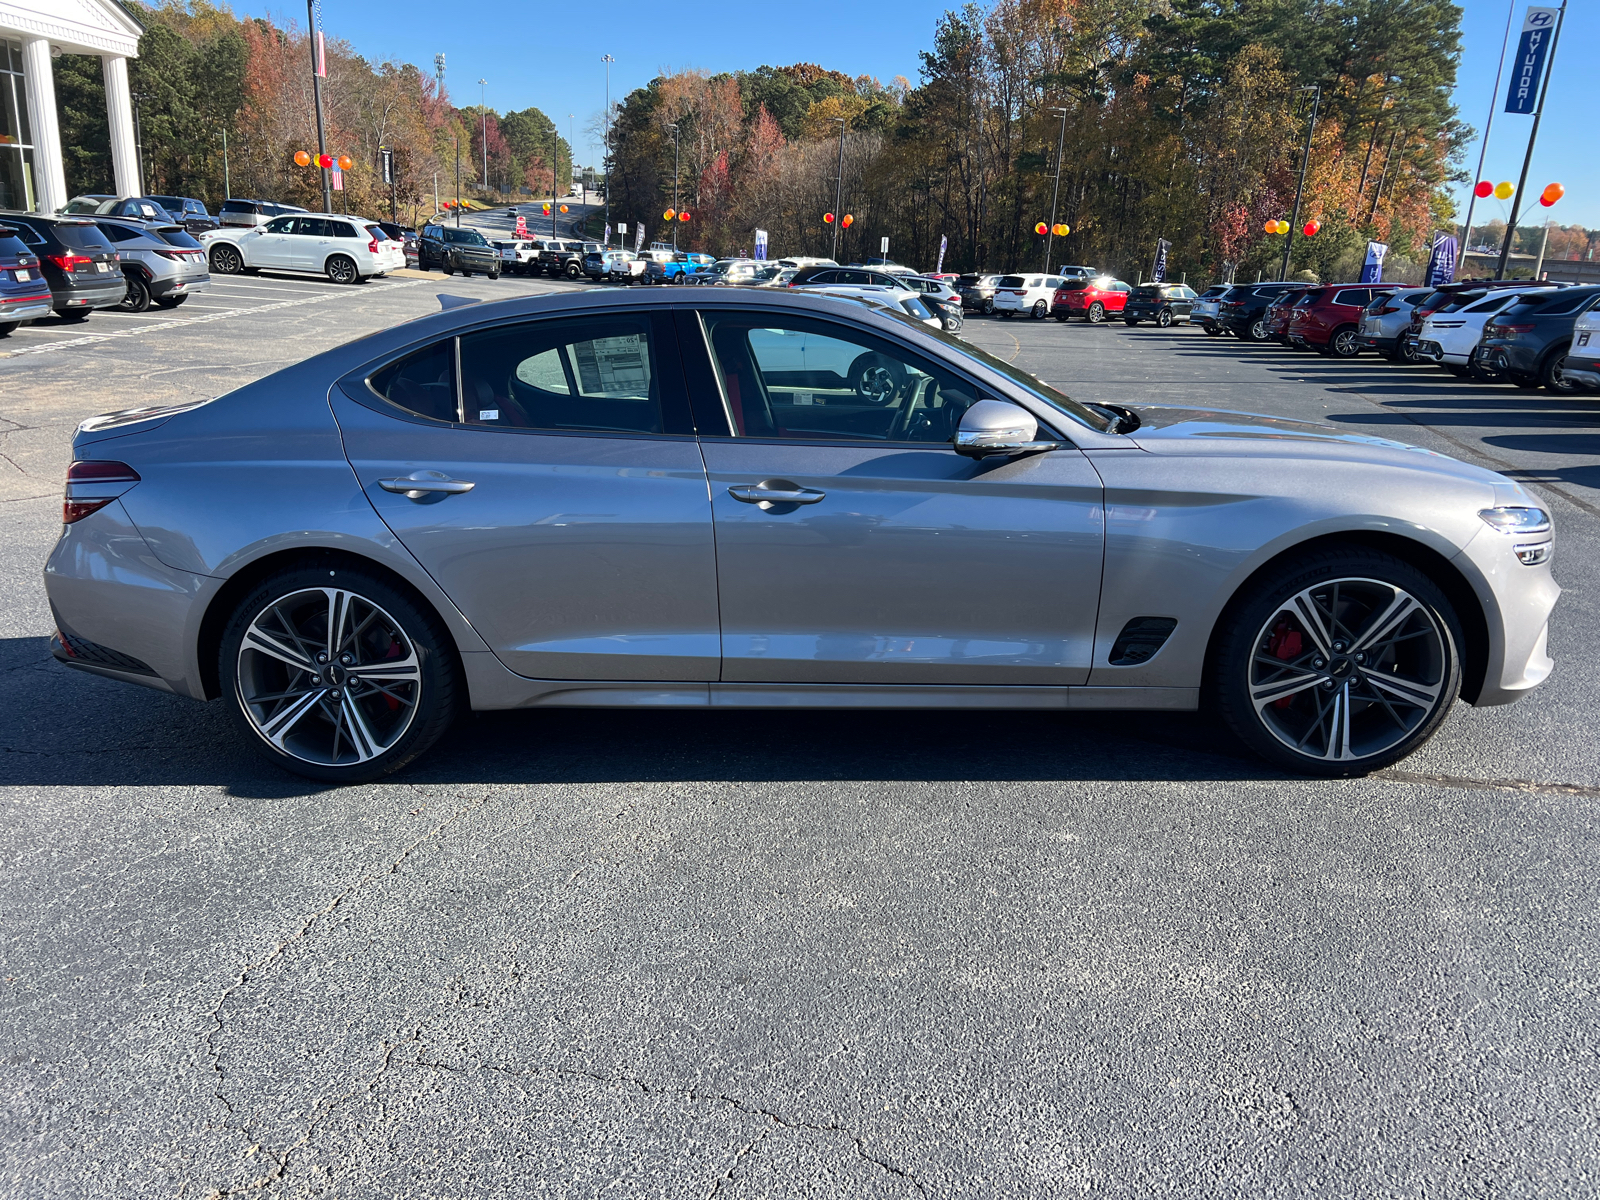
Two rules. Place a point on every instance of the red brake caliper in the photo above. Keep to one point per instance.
(1285, 643)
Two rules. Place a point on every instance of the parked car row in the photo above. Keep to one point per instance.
(1516, 330)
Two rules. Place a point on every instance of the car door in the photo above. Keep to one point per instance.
(560, 498)
(270, 245)
(854, 546)
(312, 240)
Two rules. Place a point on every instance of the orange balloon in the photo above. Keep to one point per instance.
(563, 208)
(1270, 227)
(1551, 194)
(848, 221)
(668, 215)
(346, 162)
(302, 159)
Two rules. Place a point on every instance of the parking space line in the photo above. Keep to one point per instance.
(90, 339)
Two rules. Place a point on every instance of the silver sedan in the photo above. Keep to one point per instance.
(758, 499)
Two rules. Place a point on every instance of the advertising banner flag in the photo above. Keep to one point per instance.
(761, 245)
(1442, 263)
(606, 240)
(638, 237)
(1159, 275)
(322, 57)
(944, 243)
(386, 157)
(1372, 269)
(1538, 28)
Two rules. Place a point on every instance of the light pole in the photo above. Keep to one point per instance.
(1305, 160)
(606, 157)
(483, 106)
(674, 128)
(1533, 136)
(838, 188)
(1061, 142)
(316, 95)
(138, 135)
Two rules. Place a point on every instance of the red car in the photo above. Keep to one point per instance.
(1091, 299)
(1327, 319)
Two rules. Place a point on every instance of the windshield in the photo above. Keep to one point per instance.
(180, 238)
(467, 237)
(81, 237)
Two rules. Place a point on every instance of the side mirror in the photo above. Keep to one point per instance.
(992, 427)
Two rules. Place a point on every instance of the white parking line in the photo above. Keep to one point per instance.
(91, 338)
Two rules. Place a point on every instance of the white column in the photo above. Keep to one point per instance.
(119, 114)
(49, 176)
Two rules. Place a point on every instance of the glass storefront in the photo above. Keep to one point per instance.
(16, 138)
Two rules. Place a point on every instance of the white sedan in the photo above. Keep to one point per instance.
(345, 249)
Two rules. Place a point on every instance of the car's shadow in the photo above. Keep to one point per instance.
(59, 727)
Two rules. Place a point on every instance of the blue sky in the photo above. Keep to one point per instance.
(539, 57)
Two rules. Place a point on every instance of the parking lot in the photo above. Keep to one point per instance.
(857, 954)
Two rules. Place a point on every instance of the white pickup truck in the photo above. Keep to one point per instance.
(518, 256)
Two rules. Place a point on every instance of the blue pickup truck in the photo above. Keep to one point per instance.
(674, 266)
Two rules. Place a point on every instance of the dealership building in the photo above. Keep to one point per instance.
(33, 33)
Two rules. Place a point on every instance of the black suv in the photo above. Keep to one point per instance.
(1162, 303)
(188, 212)
(1528, 342)
(78, 262)
(1243, 310)
(24, 294)
(563, 258)
(454, 248)
(854, 276)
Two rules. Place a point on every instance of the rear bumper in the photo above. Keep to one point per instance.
(180, 285)
(100, 294)
(25, 308)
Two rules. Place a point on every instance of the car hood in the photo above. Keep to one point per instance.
(1176, 430)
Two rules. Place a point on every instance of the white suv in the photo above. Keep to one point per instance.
(1031, 294)
(345, 249)
(1450, 335)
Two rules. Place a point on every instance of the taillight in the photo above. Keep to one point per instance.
(372, 246)
(91, 485)
(1383, 312)
(70, 262)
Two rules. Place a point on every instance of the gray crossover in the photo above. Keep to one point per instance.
(735, 498)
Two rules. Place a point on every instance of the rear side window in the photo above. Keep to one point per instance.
(1561, 304)
(376, 234)
(30, 235)
(340, 229)
(239, 206)
(120, 233)
(593, 375)
(82, 237)
(1011, 281)
(1492, 304)
(11, 246)
(423, 383)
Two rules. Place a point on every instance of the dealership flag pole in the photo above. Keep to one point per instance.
(1488, 127)
(1305, 159)
(1527, 58)
(319, 69)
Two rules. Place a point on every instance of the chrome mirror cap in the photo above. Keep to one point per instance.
(998, 427)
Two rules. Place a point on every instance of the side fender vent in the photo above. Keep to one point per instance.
(1140, 639)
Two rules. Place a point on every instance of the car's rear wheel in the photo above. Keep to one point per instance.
(988, 308)
(7, 328)
(337, 674)
(1402, 353)
(137, 298)
(1097, 313)
(1039, 311)
(1338, 663)
(341, 269)
(225, 260)
(1344, 343)
(1164, 317)
(573, 270)
(1212, 330)
(1130, 321)
(74, 315)
(1552, 378)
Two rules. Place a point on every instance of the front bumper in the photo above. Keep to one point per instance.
(1517, 601)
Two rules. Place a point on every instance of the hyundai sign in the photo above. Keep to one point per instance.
(1538, 30)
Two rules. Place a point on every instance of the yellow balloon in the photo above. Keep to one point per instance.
(1502, 191)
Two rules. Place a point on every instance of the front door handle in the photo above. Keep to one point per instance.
(775, 493)
(425, 483)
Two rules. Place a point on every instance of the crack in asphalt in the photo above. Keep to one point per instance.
(1489, 785)
(214, 1053)
(645, 1087)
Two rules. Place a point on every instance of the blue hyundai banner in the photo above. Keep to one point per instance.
(1159, 275)
(1538, 29)
(1372, 269)
(761, 245)
(1442, 263)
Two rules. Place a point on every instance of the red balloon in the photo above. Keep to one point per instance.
(849, 220)
(827, 218)
(1484, 189)
(324, 161)
(1311, 228)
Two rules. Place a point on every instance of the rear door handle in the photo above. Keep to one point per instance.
(424, 483)
(760, 493)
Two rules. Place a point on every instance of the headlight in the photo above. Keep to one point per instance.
(1517, 520)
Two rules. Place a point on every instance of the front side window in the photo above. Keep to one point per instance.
(594, 375)
(805, 379)
(281, 225)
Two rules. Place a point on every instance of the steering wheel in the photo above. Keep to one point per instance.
(916, 400)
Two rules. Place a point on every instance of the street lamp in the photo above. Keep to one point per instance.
(838, 188)
(674, 128)
(1061, 143)
(138, 134)
(1305, 160)
(606, 158)
(483, 106)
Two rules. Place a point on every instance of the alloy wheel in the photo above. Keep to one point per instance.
(1347, 669)
(1345, 345)
(1097, 313)
(225, 260)
(328, 677)
(1164, 318)
(342, 270)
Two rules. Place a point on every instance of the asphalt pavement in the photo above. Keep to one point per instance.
(748, 954)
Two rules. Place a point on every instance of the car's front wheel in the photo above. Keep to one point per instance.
(337, 674)
(226, 260)
(1040, 310)
(1338, 663)
(1552, 377)
(1258, 330)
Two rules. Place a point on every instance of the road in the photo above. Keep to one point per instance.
(796, 954)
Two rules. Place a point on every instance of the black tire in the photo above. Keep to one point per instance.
(1164, 318)
(1062, 317)
(396, 717)
(876, 378)
(1551, 378)
(1343, 343)
(1528, 383)
(574, 271)
(988, 307)
(447, 266)
(341, 269)
(1323, 694)
(137, 298)
(1403, 353)
(7, 328)
(1005, 314)
(1097, 313)
(1130, 322)
(226, 260)
(171, 301)
(75, 315)
(1212, 330)
(1257, 331)
(493, 274)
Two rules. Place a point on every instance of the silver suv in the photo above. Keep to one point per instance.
(1385, 321)
(162, 262)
